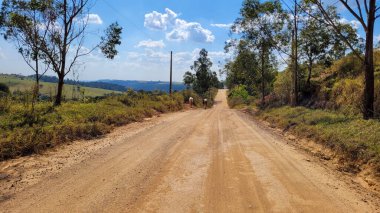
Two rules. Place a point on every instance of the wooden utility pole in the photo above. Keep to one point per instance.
(171, 73)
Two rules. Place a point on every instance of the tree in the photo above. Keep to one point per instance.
(243, 70)
(262, 25)
(316, 40)
(204, 78)
(19, 21)
(61, 40)
(188, 79)
(366, 12)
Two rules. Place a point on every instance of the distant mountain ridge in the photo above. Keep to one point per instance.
(146, 85)
(119, 85)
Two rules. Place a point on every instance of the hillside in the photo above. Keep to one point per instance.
(21, 83)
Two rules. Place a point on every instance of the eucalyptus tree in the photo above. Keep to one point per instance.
(19, 22)
(188, 79)
(60, 38)
(317, 40)
(366, 13)
(244, 69)
(204, 78)
(262, 25)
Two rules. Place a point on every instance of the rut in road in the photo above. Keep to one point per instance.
(214, 160)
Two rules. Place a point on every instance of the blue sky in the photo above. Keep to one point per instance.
(152, 28)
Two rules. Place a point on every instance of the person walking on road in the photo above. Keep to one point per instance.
(205, 103)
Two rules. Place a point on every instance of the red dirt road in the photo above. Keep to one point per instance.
(214, 160)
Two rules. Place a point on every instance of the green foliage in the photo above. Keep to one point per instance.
(355, 139)
(347, 95)
(188, 79)
(25, 129)
(203, 79)
(111, 40)
(282, 87)
(238, 96)
(261, 27)
(4, 88)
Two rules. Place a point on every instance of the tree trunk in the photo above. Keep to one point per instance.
(37, 89)
(294, 96)
(58, 99)
(369, 87)
(262, 74)
(310, 67)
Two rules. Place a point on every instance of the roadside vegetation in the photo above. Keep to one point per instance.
(27, 128)
(323, 91)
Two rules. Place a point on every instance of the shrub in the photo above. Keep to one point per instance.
(282, 87)
(238, 96)
(4, 89)
(347, 95)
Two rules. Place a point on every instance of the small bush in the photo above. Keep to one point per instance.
(4, 88)
(347, 95)
(238, 96)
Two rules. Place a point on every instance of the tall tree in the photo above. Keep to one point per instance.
(243, 70)
(61, 43)
(366, 12)
(204, 78)
(262, 24)
(295, 74)
(19, 21)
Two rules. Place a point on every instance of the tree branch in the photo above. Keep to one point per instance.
(366, 7)
(336, 29)
(360, 19)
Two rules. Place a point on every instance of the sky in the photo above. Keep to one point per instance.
(151, 29)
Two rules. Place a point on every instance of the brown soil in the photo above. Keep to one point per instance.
(215, 160)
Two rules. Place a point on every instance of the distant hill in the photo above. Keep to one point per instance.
(20, 82)
(93, 84)
(23, 83)
(120, 85)
(146, 85)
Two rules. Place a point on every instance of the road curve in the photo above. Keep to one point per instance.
(214, 160)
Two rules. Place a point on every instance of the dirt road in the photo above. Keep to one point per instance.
(214, 160)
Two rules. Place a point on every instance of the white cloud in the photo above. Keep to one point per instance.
(159, 21)
(223, 26)
(177, 29)
(354, 23)
(193, 31)
(151, 44)
(94, 19)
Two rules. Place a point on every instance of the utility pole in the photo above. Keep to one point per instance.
(171, 73)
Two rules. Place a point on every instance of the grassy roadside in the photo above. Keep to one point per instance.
(24, 131)
(354, 140)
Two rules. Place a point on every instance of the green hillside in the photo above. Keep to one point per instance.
(17, 83)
